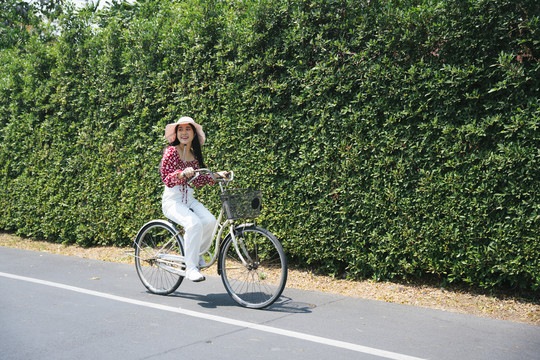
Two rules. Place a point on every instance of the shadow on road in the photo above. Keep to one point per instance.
(284, 304)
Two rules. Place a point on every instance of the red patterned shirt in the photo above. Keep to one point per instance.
(172, 166)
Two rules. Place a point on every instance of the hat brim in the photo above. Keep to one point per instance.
(170, 133)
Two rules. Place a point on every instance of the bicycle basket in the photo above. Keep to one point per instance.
(241, 203)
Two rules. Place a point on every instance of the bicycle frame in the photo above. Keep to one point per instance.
(250, 259)
(165, 260)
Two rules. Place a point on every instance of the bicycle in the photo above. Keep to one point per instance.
(251, 261)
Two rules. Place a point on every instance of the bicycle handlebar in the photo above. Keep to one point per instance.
(212, 174)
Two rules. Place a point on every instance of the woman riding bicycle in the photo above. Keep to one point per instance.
(180, 160)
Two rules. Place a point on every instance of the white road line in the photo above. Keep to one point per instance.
(224, 320)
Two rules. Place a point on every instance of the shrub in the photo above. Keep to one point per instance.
(392, 139)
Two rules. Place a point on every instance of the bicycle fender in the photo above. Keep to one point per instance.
(244, 226)
(237, 229)
(161, 221)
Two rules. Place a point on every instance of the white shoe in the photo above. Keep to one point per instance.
(202, 262)
(194, 275)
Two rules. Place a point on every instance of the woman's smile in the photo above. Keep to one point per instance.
(185, 134)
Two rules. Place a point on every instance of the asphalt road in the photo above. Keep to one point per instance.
(60, 307)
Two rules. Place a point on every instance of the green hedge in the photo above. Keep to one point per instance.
(392, 139)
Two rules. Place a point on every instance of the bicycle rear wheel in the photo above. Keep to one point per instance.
(155, 239)
(259, 280)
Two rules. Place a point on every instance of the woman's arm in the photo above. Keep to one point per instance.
(170, 170)
(202, 180)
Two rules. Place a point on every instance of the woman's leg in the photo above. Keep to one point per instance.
(208, 223)
(181, 214)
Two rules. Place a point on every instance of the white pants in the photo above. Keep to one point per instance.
(197, 221)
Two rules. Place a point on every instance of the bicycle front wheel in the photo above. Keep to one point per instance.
(156, 239)
(254, 270)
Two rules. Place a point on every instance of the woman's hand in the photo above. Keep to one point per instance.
(187, 173)
(223, 174)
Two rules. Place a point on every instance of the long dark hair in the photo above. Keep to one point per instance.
(195, 145)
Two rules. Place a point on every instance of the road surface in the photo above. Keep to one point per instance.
(61, 307)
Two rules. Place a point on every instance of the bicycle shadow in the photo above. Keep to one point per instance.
(284, 304)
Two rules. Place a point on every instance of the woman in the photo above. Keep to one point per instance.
(180, 160)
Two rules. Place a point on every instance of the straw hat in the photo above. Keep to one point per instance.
(170, 133)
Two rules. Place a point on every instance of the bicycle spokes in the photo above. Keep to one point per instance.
(254, 267)
(159, 258)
